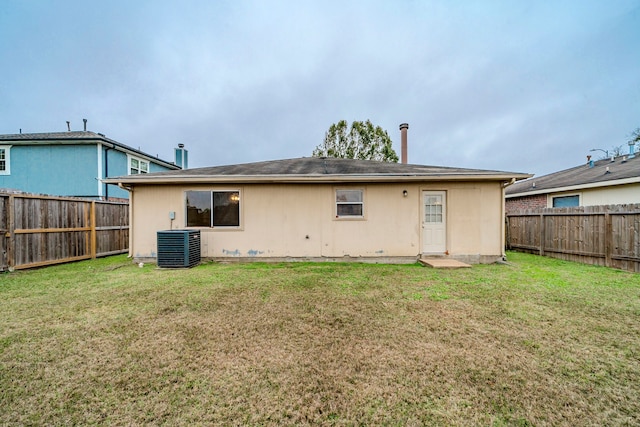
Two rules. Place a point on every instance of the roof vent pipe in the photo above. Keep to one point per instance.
(589, 162)
(403, 141)
(68, 126)
(632, 149)
(85, 124)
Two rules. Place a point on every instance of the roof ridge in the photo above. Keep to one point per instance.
(330, 169)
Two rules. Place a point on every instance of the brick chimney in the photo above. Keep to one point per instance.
(403, 139)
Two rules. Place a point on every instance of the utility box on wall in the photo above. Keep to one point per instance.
(178, 248)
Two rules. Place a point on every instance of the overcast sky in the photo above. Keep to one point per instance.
(524, 86)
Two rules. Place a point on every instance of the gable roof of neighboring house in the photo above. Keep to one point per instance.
(78, 138)
(604, 173)
(318, 169)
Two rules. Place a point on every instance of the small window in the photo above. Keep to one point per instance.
(4, 160)
(137, 166)
(213, 208)
(349, 203)
(433, 209)
(566, 201)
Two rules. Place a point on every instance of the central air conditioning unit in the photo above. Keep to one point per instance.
(178, 248)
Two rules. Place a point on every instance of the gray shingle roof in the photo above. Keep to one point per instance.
(72, 137)
(319, 168)
(57, 136)
(580, 176)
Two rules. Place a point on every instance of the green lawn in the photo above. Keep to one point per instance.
(537, 342)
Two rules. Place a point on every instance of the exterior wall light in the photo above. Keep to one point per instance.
(405, 193)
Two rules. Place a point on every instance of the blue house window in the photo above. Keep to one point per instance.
(137, 166)
(4, 160)
(566, 201)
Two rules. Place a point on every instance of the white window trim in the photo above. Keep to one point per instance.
(140, 160)
(552, 197)
(349, 217)
(100, 177)
(7, 159)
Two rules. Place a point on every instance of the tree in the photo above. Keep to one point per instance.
(635, 136)
(616, 151)
(362, 141)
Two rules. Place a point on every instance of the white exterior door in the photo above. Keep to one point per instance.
(434, 222)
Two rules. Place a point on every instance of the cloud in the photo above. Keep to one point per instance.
(514, 86)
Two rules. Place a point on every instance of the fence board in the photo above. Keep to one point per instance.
(42, 230)
(112, 227)
(600, 235)
(4, 231)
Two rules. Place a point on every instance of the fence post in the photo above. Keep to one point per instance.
(608, 239)
(541, 234)
(507, 233)
(94, 241)
(11, 252)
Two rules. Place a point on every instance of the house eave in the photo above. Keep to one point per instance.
(302, 179)
(577, 187)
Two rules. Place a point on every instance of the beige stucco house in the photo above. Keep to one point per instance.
(324, 209)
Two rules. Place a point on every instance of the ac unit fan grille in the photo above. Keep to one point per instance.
(178, 248)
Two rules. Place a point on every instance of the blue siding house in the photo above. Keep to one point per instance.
(74, 163)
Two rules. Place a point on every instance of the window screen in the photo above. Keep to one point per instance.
(349, 203)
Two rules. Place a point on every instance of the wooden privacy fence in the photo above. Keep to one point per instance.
(600, 235)
(42, 230)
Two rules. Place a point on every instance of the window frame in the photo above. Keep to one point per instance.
(211, 225)
(337, 203)
(7, 159)
(437, 212)
(131, 159)
(565, 196)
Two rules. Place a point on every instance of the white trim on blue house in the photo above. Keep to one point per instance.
(100, 173)
(140, 161)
